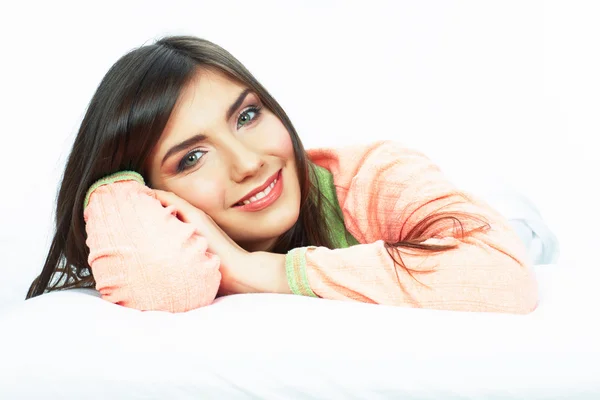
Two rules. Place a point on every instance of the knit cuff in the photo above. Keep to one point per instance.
(295, 269)
(116, 177)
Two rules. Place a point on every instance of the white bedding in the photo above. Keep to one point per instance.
(74, 345)
(278, 346)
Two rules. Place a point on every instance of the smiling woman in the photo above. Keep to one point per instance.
(242, 151)
(187, 179)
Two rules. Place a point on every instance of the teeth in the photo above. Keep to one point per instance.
(262, 194)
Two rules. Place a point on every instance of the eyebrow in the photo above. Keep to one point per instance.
(200, 137)
(182, 146)
(238, 102)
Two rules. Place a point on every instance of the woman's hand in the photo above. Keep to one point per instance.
(242, 272)
(233, 258)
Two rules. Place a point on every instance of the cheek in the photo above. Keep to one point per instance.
(280, 141)
(207, 195)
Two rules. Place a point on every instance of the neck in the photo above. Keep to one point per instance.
(260, 245)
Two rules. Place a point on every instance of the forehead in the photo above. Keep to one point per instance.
(202, 104)
(208, 84)
(208, 95)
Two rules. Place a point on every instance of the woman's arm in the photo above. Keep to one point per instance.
(385, 190)
(257, 272)
(241, 271)
(141, 255)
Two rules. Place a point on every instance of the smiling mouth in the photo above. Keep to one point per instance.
(261, 193)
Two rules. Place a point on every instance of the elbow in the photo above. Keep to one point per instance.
(510, 281)
(176, 276)
(515, 290)
(525, 297)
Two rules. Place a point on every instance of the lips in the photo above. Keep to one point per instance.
(259, 192)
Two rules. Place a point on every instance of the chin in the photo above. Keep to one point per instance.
(265, 233)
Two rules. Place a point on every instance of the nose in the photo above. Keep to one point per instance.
(245, 162)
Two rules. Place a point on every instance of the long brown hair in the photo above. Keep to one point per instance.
(123, 123)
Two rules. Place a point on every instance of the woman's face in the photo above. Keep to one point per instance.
(229, 156)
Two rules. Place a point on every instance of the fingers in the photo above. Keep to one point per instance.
(179, 207)
(168, 201)
(166, 198)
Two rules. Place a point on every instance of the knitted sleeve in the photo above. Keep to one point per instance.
(141, 255)
(385, 191)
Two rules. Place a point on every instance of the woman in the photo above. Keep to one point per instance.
(252, 211)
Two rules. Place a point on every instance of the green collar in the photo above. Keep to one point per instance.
(340, 236)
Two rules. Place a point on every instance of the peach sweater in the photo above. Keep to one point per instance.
(383, 190)
(143, 257)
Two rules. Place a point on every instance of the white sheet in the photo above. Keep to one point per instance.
(73, 345)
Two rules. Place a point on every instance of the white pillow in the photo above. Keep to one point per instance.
(74, 345)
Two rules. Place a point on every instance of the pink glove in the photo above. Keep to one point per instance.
(141, 255)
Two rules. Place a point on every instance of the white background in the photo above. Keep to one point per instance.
(510, 88)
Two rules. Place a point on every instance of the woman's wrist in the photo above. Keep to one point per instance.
(257, 272)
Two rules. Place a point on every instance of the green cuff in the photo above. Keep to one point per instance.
(116, 177)
(295, 269)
